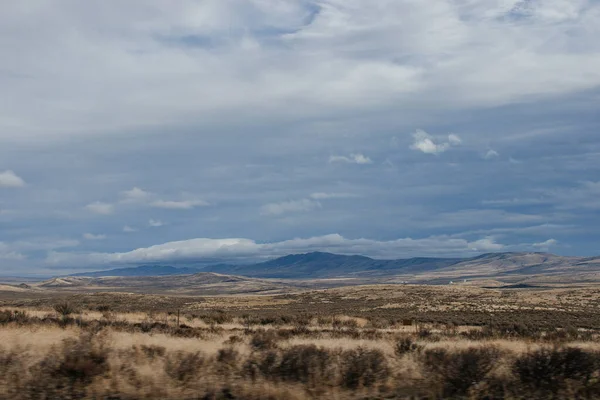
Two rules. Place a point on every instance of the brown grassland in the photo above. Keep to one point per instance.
(364, 342)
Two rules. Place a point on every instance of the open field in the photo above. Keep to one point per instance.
(366, 342)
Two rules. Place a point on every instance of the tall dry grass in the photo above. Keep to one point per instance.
(92, 355)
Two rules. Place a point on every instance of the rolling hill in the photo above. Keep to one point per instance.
(142, 270)
(510, 268)
(327, 265)
(203, 283)
(315, 265)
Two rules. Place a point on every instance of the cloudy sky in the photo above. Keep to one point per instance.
(208, 130)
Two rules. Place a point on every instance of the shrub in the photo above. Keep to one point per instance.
(458, 371)
(406, 345)
(363, 368)
(218, 317)
(103, 308)
(264, 340)
(153, 351)
(424, 333)
(344, 323)
(20, 317)
(184, 366)
(264, 364)
(227, 356)
(546, 370)
(82, 364)
(65, 309)
(233, 339)
(307, 364)
(8, 360)
(66, 372)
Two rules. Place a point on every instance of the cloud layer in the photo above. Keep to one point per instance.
(469, 126)
(240, 249)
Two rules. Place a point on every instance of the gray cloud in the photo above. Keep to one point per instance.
(155, 223)
(135, 195)
(240, 249)
(179, 205)
(91, 236)
(325, 196)
(99, 207)
(291, 206)
(490, 154)
(9, 179)
(354, 158)
(151, 108)
(480, 51)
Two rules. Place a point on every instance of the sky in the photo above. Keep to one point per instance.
(234, 131)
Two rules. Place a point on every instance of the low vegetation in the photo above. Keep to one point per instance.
(376, 342)
(97, 353)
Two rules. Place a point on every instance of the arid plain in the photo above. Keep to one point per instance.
(215, 336)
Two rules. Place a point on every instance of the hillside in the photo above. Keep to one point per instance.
(327, 265)
(510, 268)
(204, 283)
(316, 265)
(143, 270)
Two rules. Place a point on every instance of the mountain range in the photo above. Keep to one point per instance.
(318, 265)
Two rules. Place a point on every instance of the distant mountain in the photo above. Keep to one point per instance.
(328, 265)
(318, 265)
(143, 270)
(509, 263)
(294, 266)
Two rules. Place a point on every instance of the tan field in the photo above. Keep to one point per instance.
(361, 342)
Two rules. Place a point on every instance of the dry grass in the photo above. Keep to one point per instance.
(120, 358)
(350, 346)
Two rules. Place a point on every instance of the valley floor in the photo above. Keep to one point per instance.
(365, 342)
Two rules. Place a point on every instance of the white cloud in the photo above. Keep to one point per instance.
(135, 195)
(354, 158)
(7, 253)
(545, 246)
(325, 196)
(43, 243)
(486, 244)
(347, 56)
(533, 230)
(179, 205)
(129, 229)
(15, 251)
(584, 196)
(11, 180)
(155, 223)
(242, 249)
(491, 154)
(454, 140)
(351, 69)
(515, 201)
(140, 196)
(292, 206)
(101, 208)
(91, 236)
(425, 143)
